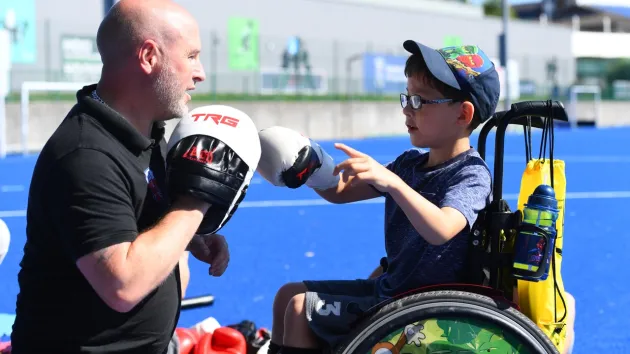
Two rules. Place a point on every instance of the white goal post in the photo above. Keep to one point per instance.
(573, 102)
(38, 86)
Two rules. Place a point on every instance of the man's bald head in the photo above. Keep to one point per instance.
(130, 23)
(150, 51)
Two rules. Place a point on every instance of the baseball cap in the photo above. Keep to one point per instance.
(466, 68)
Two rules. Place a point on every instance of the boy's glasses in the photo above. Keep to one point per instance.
(417, 101)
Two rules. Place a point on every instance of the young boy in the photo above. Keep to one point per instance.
(432, 198)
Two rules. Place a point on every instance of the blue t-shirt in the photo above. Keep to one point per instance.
(463, 183)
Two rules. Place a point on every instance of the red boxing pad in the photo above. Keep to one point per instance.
(204, 345)
(188, 338)
(224, 340)
(5, 347)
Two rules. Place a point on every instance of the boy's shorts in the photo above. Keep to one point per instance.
(334, 306)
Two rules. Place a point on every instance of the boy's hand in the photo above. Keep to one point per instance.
(365, 170)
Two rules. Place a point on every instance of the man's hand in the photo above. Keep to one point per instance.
(213, 250)
(365, 169)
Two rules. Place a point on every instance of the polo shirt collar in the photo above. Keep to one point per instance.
(116, 124)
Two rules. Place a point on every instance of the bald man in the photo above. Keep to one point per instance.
(100, 267)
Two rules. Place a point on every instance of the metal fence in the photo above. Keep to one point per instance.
(267, 64)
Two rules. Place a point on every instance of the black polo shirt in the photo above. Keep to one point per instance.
(97, 182)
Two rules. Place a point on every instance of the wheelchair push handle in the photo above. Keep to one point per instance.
(540, 109)
(518, 115)
(521, 113)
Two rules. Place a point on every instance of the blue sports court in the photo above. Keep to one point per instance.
(280, 235)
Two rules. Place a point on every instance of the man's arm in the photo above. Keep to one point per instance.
(93, 210)
(125, 273)
(466, 195)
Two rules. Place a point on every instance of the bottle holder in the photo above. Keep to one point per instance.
(543, 268)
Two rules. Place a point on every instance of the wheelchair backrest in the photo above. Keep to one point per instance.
(491, 242)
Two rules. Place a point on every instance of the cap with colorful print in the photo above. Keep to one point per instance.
(466, 68)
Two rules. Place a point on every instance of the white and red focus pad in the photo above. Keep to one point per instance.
(228, 124)
(212, 155)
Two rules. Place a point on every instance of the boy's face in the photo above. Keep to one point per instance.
(434, 125)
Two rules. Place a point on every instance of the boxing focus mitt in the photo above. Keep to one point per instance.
(292, 160)
(212, 155)
(223, 340)
(187, 338)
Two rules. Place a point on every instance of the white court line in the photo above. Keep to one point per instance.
(521, 158)
(568, 159)
(12, 213)
(14, 188)
(321, 202)
(8, 188)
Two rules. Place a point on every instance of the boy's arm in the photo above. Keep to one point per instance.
(466, 195)
(376, 272)
(288, 159)
(345, 192)
(348, 192)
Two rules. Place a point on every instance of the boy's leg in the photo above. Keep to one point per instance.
(288, 291)
(280, 303)
(570, 339)
(326, 313)
(297, 333)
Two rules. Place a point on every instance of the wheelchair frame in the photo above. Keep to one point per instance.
(489, 263)
(491, 243)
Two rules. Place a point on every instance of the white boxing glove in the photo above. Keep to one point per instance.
(290, 159)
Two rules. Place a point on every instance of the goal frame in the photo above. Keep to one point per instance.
(26, 89)
(573, 101)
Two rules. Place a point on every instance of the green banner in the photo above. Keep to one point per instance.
(243, 43)
(80, 60)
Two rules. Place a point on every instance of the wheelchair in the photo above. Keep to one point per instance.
(479, 314)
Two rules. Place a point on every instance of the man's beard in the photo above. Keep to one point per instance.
(169, 95)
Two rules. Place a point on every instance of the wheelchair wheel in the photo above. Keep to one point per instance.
(444, 322)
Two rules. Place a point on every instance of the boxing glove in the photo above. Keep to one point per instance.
(5, 347)
(212, 155)
(292, 160)
(188, 339)
(206, 326)
(223, 340)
